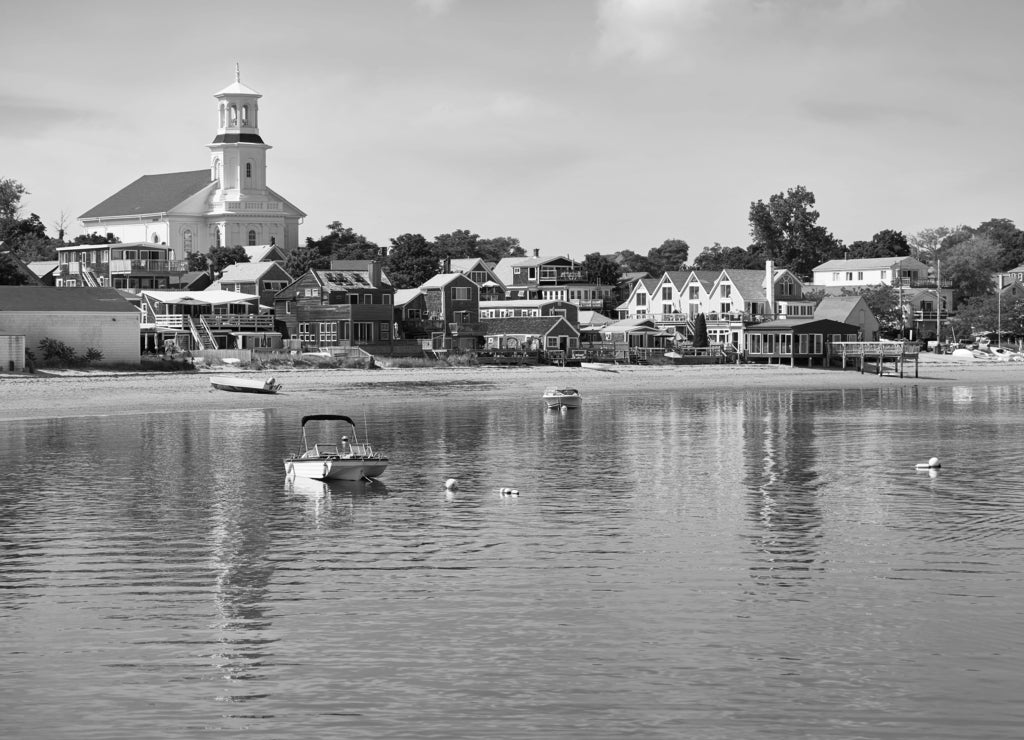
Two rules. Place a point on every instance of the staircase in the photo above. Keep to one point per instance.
(204, 339)
(89, 277)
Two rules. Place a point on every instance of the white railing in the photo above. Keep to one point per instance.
(232, 322)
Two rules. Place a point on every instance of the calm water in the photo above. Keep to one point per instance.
(707, 565)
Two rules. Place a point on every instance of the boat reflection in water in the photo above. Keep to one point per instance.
(326, 499)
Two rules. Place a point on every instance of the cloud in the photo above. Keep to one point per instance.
(435, 7)
(647, 30)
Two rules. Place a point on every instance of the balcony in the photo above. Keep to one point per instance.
(931, 315)
(147, 267)
(218, 322)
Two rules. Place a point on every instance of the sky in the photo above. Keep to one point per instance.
(576, 126)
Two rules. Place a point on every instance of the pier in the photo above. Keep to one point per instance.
(878, 353)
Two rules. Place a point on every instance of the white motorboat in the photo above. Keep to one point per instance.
(343, 460)
(244, 385)
(563, 398)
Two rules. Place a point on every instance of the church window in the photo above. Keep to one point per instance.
(273, 241)
(252, 237)
(248, 169)
(234, 115)
(216, 170)
(156, 238)
(245, 115)
(216, 237)
(186, 240)
(222, 115)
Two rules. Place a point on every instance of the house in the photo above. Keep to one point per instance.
(265, 253)
(194, 280)
(638, 303)
(850, 310)
(264, 279)
(452, 306)
(805, 339)
(83, 319)
(630, 334)
(543, 334)
(227, 204)
(205, 319)
(552, 278)
(870, 271)
(133, 266)
(524, 308)
(350, 304)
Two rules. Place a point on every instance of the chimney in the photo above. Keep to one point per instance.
(769, 287)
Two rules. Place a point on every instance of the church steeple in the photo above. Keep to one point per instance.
(238, 154)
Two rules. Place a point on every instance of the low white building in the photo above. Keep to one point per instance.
(872, 271)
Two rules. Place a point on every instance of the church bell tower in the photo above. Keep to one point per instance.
(238, 156)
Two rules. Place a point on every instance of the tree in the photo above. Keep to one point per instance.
(984, 314)
(597, 268)
(971, 266)
(718, 257)
(11, 192)
(340, 243)
(884, 302)
(786, 231)
(700, 331)
(221, 257)
(670, 256)
(196, 262)
(630, 261)
(10, 271)
(1010, 239)
(886, 243)
(926, 244)
(95, 238)
(411, 261)
(496, 249)
(459, 244)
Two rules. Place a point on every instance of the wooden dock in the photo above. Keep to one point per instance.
(878, 354)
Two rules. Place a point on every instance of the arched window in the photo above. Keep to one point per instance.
(245, 115)
(222, 114)
(186, 240)
(156, 238)
(252, 237)
(273, 241)
(248, 169)
(234, 115)
(216, 236)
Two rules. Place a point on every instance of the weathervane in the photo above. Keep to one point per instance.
(238, 75)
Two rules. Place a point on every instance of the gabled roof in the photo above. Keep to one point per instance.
(868, 263)
(531, 325)
(593, 318)
(748, 283)
(209, 297)
(706, 278)
(260, 252)
(247, 272)
(405, 295)
(63, 300)
(440, 281)
(783, 324)
(151, 194)
(837, 307)
(42, 268)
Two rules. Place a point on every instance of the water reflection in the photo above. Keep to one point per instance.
(333, 503)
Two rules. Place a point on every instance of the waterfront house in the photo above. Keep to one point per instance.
(350, 304)
(850, 310)
(264, 279)
(848, 273)
(524, 308)
(637, 304)
(134, 266)
(805, 340)
(81, 318)
(552, 278)
(547, 335)
(205, 320)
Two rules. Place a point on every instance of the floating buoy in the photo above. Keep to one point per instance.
(932, 464)
(508, 491)
(451, 484)
(514, 492)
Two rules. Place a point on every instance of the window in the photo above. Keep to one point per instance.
(515, 270)
(384, 330)
(551, 342)
(353, 299)
(694, 292)
(835, 277)
(885, 274)
(216, 237)
(311, 292)
(818, 345)
(248, 169)
(460, 294)
(362, 332)
(849, 277)
(725, 308)
(186, 240)
(726, 291)
(755, 344)
(786, 344)
(252, 237)
(328, 332)
(860, 276)
(413, 313)
(304, 333)
(156, 238)
(667, 308)
(245, 122)
(666, 292)
(287, 306)
(803, 343)
(641, 299)
(531, 273)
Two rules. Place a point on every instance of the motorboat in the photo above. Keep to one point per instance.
(1006, 355)
(563, 398)
(343, 460)
(245, 385)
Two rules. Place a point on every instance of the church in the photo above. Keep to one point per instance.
(227, 205)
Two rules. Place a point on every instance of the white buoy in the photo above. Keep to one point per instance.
(932, 464)
(451, 484)
(513, 492)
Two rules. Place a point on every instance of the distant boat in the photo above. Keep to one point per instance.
(602, 366)
(563, 398)
(346, 460)
(244, 385)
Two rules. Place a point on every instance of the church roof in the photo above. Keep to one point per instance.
(237, 88)
(151, 194)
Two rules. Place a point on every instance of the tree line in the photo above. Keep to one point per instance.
(784, 229)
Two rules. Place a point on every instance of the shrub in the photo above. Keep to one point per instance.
(57, 353)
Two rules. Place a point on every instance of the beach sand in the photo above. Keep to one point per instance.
(96, 393)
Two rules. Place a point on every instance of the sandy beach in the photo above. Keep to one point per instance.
(91, 393)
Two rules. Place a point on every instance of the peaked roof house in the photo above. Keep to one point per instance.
(850, 310)
(545, 334)
(264, 279)
(551, 278)
(227, 204)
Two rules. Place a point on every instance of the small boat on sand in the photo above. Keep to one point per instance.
(563, 398)
(344, 460)
(244, 385)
